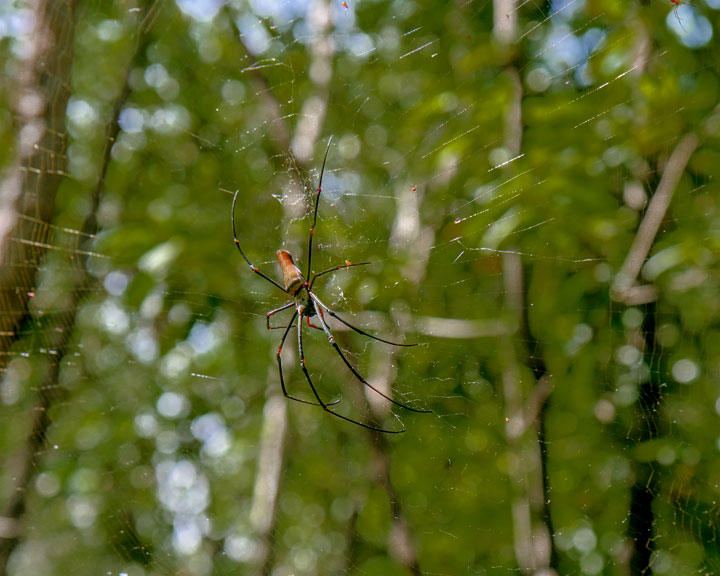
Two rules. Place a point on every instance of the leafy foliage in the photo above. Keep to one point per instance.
(154, 450)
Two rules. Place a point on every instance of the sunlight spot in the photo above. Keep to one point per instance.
(211, 430)
(170, 120)
(12, 384)
(498, 156)
(566, 9)
(131, 120)
(602, 272)
(152, 305)
(538, 79)
(563, 48)
(254, 34)
(360, 45)
(685, 371)
(388, 41)
(200, 10)
(662, 261)
(446, 102)
(157, 76)
(666, 455)
(90, 435)
(304, 559)
(689, 279)
(81, 115)
(582, 334)
(584, 539)
(693, 29)
(186, 535)
(173, 405)
(179, 314)
(628, 355)
(342, 509)
(634, 195)
(182, 488)
(613, 62)
(47, 484)
(115, 283)
(632, 318)
(145, 425)
(202, 338)
(625, 395)
(157, 260)
(143, 345)
(501, 228)
(176, 363)
(167, 442)
(233, 92)
(662, 562)
(241, 548)
(210, 48)
(616, 155)
(591, 563)
(113, 318)
(82, 510)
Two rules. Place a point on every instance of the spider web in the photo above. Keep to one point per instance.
(539, 216)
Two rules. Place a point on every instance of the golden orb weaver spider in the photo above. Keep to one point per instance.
(307, 305)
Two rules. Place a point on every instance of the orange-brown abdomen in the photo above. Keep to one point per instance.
(292, 276)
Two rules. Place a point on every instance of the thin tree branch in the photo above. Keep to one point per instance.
(622, 288)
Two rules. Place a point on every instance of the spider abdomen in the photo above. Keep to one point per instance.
(292, 277)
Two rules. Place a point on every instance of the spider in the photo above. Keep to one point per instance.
(307, 305)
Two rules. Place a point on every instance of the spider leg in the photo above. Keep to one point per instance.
(307, 318)
(357, 375)
(323, 404)
(280, 370)
(317, 203)
(272, 312)
(237, 243)
(354, 328)
(334, 269)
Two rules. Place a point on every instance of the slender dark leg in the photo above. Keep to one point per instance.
(317, 203)
(280, 370)
(323, 404)
(272, 312)
(322, 306)
(334, 344)
(335, 269)
(237, 243)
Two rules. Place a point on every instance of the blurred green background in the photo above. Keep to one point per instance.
(496, 186)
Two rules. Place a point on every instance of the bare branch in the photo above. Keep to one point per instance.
(654, 216)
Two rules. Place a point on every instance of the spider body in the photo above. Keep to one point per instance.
(292, 277)
(296, 286)
(308, 305)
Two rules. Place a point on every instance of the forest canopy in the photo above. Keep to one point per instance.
(502, 354)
